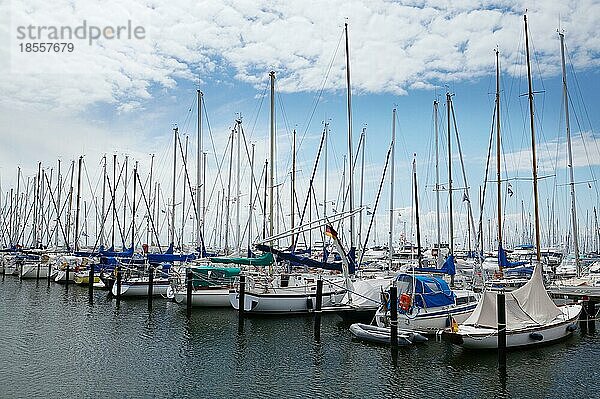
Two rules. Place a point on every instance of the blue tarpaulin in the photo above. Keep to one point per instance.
(429, 291)
(503, 260)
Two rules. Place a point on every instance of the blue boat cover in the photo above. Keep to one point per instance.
(503, 260)
(448, 267)
(429, 291)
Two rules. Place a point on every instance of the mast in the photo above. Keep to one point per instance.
(350, 153)
(199, 175)
(498, 181)
(172, 229)
(133, 210)
(392, 167)
(293, 189)
(125, 199)
(533, 156)
(58, 191)
(450, 211)
(272, 154)
(238, 128)
(76, 239)
(325, 138)
(419, 256)
(184, 157)
(251, 202)
(362, 181)
(570, 153)
(36, 209)
(70, 206)
(228, 200)
(437, 183)
(114, 211)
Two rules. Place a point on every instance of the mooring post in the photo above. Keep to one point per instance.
(394, 315)
(242, 298)
(583, 316)
(119, 276)
(37, 275)
(501, 303)
(20, 270)
(91, 282)
(190, 286)
(67, 276)
(49, 273)
(591, 318)
(318, 306)
(150, 286)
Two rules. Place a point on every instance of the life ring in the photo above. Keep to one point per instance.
(405, 302)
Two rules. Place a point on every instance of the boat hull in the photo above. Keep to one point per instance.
(140, 288)
(283, 302)
(429, 320)
(29, 271)
(487, 338)
(215, 297)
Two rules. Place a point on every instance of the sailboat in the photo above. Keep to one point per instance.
(532, 318)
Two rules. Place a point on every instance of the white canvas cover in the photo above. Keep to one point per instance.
(526, 306)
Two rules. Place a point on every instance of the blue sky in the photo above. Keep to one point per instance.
(124, 97)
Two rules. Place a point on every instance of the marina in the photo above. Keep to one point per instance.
(251, 220)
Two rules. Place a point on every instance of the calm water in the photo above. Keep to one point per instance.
(54, 344)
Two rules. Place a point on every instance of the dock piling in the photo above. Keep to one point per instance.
(91, 283)
(119, 277)
(242, 298)
(501, 304)
(318, 306)
(37, 275)
(591, 316)
(67, 277)
(150, 286)
(394, 315)
(190, 278)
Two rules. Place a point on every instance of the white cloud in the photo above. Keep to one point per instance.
(394, 46)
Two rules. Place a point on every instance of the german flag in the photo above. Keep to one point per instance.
(329, 231)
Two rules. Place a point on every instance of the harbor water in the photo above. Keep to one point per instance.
(56, 344)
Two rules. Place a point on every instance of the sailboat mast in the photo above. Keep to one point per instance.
(251, 203)
(362, 182)
(293, 188)
(325, 138)
(238, 124)
(450, 216)
(133, 210)
(272, 154)
(199, 180)
(76, 239)
(172, 230)
(114, 208)
(350, 154)
(570, 154)
(533, 155)
(392, 167)
(419, 256)
(498, 144)
(437, 181)
(228, 200)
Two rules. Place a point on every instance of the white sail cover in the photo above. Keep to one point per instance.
(526, 306)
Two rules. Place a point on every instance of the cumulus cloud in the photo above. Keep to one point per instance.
(394, 46)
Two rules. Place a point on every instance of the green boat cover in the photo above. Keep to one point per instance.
(211, 276)
(265, 259)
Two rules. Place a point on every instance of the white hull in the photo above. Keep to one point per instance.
(284, 301)
(140, 288)
(487, 338)
(61, 276)
(31, 271)
(216, 297)
(430, 319)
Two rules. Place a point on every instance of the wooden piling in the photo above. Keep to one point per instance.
(119, 277)
(591, 316)
(501, 309)
(49, 273)
(242, 298)
(318, 306)
(394, 315)
(67, 276)
(190, 286)
(91, 283)
(37, 275)
(150, 286)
